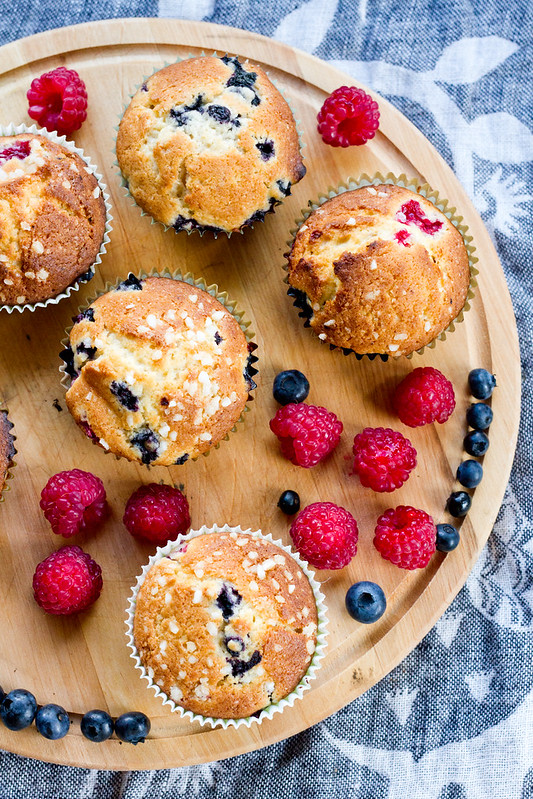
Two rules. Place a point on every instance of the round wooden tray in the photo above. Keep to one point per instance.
(83, 662)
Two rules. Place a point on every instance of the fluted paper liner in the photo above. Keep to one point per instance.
(9, 473)
(16, 130)
(216, 233)
(417, 187)
(200, 283)
(270, 710)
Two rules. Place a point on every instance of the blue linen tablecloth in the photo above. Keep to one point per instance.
(455, 719)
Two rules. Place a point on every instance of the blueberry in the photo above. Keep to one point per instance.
(131, 283)
(68, 357)
(290, 386)
(284, 187)
(180, 461)
(186, 223)
(458, 504)
(447, 537)
(479, 416)
(481, 383)
(227, 600)
(234, 644)
(132, 727)
(266, 148)
(147, 442)
(83, 349)
(476, 443)
(239, 667)
(289, 502)
(125, 396)
(18, 709)
(219, 112)
(52, 722)
(97, 725)
(470, 474)
(87, 314)
(365, 602)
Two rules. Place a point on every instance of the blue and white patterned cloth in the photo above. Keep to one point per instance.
(455, 719)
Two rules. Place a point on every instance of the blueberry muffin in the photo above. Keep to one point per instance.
(160, 370)
(209, 144)
(226, 624)
(7, 448)
(52, 219)
(379, 269)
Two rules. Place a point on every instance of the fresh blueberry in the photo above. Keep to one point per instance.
(479, 416)
(290, 386)
(52, 722)
(97, 725)
(289, 502)
(239, 667)
(458, 504)
(18, 709)
(132, 727)
(470, 474)
(481, 383)
(365, 602)
(447, 537)
(125, 396)
(476, 443)
(227, 600)
(131, 283)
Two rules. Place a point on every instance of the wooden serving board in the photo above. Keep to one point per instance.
(83, 662)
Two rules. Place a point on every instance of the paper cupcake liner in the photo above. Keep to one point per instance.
(213, 290)
(418, 187)
(258, 216)
(9, 473)
(15, 130)
(270, 710)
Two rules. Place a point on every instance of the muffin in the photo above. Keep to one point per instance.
(7, 448)
(226, 624)
(379, 269)
(209, 144)
(52, 219)
(160, 370)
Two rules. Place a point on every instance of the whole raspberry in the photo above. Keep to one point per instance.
(58, 100)
(406, 536)
(157, 513)
(67, 581)
(348, 116)
(424, 396)
(307, 432)
(383, 458)
(73, 501)
(326, 535)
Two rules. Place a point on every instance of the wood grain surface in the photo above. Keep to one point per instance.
(83, 662)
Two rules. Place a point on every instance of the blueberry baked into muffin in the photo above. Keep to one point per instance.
(160, 369)
(52, 219)
(226, 624)
(209, 144)
(7, 448)
(379, 269)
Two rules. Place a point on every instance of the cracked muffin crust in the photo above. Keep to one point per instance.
(226, 624)
(209, 144)
(160, 369)
(379, 269)
(52, 218)
(7, 448)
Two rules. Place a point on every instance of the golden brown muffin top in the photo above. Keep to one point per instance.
(383, 270)
(52, 218)
(209, 143)
(226, 625)
(160, 370)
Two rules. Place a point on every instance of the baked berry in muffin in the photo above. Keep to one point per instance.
(52, 219)
(226, 624)
(379, 269)
(160, 370)
(7, 447)
(209, 144)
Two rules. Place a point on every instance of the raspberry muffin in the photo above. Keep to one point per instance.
(7, 448)
(52, 219)
(160, 370)
(379, 269)
(209, 144)
(225, 624)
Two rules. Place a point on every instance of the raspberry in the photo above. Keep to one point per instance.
(406, 536)
(67, 581)
(73, 501)
(307, 433)
(58, 100)
(157, 513)
(326, 535)
(383, 458)
(348, 116)
(424, 396)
